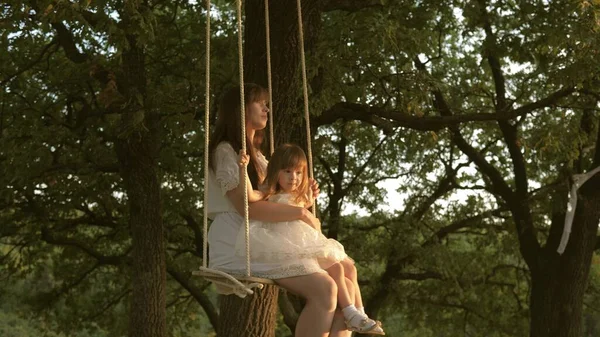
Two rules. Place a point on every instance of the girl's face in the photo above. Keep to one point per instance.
(290, 179)
(257, 114)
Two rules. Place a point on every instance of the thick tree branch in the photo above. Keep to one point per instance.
(463, 223)
(509, 131)
(364, 166)
(545, 102)
(336, 197)
(102, 259)
(388, 120)
(526, 232)
(444, 186)
(327, 168)
(67, 42)
(499, 185)
(517, 201)
(341, 164)
(375, 116)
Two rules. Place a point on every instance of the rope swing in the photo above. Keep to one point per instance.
(242, 285)
(305, 95)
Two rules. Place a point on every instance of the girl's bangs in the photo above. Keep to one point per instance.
(296, 160)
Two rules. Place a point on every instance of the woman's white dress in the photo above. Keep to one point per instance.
(227, 224)
(290, 242)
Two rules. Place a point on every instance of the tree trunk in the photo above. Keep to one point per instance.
(285, 60)
(559, 282)
(253, 316)
(335, 198)
(137, 150)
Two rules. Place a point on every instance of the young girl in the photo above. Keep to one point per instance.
(296, 242)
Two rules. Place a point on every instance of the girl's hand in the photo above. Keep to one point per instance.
(314, 187)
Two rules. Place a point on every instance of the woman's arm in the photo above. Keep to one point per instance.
(275, 212)
(271, 211)
(265, 210)
(253, 195)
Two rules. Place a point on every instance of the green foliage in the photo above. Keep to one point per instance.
(64, 237)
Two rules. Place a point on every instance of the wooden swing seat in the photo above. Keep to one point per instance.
(240, 285)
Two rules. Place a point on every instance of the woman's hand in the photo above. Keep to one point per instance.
(243, 159)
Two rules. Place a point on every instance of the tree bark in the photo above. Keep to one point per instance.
(253, 316)
(285, 60)
(137, 149)
(559, 282)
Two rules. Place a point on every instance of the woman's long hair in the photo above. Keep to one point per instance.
(228, 128)
(288, 156)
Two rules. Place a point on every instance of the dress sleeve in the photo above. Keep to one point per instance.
(226, 167)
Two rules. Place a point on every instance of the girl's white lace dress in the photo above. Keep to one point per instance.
(227, 224)
(289, 243)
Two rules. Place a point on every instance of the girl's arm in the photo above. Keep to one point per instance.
(313, 192)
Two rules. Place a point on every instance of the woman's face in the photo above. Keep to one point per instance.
(257, 114)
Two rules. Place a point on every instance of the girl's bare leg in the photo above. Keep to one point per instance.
(345, 295)
(352, 277)
(320, 292)
(350, 273)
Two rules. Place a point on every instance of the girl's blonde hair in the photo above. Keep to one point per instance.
(288, 156)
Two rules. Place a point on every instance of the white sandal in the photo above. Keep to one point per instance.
(366, 326)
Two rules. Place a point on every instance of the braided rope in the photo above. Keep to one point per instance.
(305, 92)
(269, 85)
(243, 119)
(206, 138)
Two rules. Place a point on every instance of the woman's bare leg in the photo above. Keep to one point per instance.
(338, 328)
(320, 292)
(345, 296)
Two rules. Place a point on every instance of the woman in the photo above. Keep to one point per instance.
(226, 203)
